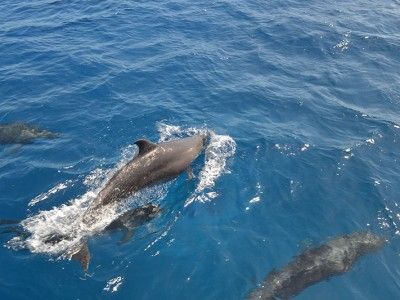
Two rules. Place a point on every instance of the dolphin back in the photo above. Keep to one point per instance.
(335, 257)
(155, 163)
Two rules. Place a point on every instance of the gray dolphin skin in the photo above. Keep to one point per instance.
(335, 257)
(21, 133)
(155, 163)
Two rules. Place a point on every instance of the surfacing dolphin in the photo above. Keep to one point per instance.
(21, 133)
(314, 265)
(154, 163)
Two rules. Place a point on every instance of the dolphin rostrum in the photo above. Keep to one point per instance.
(316, 264)
(21, 133)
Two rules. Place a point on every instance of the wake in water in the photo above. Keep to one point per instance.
(60, 232)
(219, 149)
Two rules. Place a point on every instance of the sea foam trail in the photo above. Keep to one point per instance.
(218, 150)
(51, 192)
(66, 220)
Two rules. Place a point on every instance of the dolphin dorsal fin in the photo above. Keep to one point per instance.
(145, 146)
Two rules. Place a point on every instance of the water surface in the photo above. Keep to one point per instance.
(303, 98)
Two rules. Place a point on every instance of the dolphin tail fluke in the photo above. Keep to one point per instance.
(82, 255)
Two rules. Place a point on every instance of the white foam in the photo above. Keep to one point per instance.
(95, 177)
(342, 45)
(219, 149)
(66, 220)
(168, 131)
(255, 199)
(217, 152)
(305, 147)
(370, 141)
(113, 284)
(50, 192)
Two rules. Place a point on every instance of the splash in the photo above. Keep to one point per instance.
(66, 221)
(113, 284)
(219, 149)
(51, 192)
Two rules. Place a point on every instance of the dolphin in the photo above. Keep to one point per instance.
(154, 163)
(335, 257)
(132, 219)
(21, 133)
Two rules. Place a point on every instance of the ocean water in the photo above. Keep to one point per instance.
(302, 102)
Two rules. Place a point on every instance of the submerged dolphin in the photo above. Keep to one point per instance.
(154, 163)
(314, 265)
(128, 222)
(21, 133)
(132, 219)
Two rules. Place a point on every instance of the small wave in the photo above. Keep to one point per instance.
(169, 132)
(342, 45)
(66, 220)
(54, 190)
(113, 284)
(220, 148)
(217, 152)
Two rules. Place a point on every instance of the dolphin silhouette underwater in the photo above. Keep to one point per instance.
(154, 164)
(21, 133)
(335, 257)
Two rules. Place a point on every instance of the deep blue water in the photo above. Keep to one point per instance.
(308, 91)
